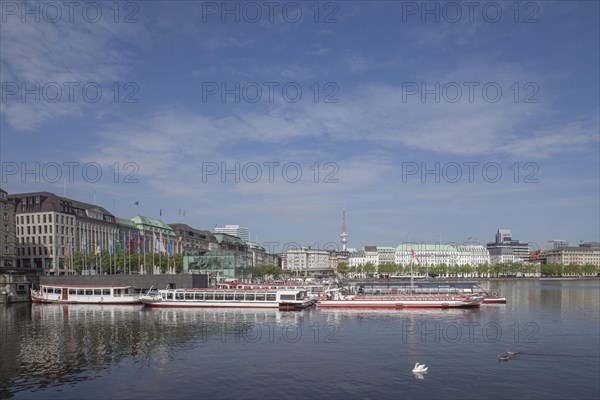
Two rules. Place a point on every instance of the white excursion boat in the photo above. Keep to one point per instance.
(430, 287)
(335, 299)
(85, 294)
(243, 298)
(314, 290)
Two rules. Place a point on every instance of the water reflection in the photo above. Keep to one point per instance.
(51, 345)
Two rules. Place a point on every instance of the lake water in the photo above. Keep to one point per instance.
(93, 352)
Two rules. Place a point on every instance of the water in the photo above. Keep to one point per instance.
(92, 352)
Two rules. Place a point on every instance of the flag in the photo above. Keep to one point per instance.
(415, 256)
(130, 242)
(169, 247)
(162, 243)
(110, 246)
(67, 252)
(137, 203)
(117, 244)
(155, 242)
(84, 246)
(161, 212)
(98, 247)
(142, 247)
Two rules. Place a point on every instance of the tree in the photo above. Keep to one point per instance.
(387, 269)
(369, 269)
(342, 268)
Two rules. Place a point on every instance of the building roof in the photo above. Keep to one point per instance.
(126, 223)
(406, 247)
(151, 223)
(50, 202)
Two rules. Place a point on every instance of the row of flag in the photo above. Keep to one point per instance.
(137, 243)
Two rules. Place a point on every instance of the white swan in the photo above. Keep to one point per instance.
(419, 368)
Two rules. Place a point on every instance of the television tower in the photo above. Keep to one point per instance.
(344, 235)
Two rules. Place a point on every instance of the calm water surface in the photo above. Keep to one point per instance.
(92, 352)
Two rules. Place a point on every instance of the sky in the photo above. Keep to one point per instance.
(425, 121)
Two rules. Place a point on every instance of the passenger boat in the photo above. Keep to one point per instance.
(430, 287)
(336, 299)
(241, 298)
(314, 290)
(85, 294)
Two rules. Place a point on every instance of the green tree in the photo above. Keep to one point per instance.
(369, 269)
(387, 269)
(342, 268)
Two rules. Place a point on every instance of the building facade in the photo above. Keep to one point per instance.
(507, 250)
(8, 249)
(194, 241)
(584, 254)
(306, 261)
(235, 230)
(49, 228)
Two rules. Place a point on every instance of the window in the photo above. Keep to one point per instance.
(88, 292)
(72, 291)
(106, 292)
(50, 218)
(44, 218)
(189, 296)
(199, 296)
(80, 292)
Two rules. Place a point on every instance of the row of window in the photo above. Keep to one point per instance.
(212, 296)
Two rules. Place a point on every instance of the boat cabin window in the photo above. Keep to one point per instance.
(199, 296)
(249, 296)
(56, 290)
(271, 296)
(97, 292)
(105, 292)
(80, 292)
(229, 296)
(169, 296)
(117, 292)
(71, 291)
(239, 296)
(178, 296)
(218, 296)
(189, 296)
(208, 296)
(260, 297)
(88, 292)
(288, 297)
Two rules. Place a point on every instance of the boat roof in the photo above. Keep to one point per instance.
(419, 283)
(231, 290)
(86, 286)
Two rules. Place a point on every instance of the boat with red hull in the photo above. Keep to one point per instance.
(335, 299)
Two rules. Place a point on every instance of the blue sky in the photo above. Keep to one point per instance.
(388, 90)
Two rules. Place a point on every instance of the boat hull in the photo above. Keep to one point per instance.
(189, 304)
(494, 300)
(400, 303)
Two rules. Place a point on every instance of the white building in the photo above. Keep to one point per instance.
(356, 259)
(306, 261)
(386, 255)
(235, 230)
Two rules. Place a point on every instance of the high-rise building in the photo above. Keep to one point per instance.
(507, 250)
(235, 230)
